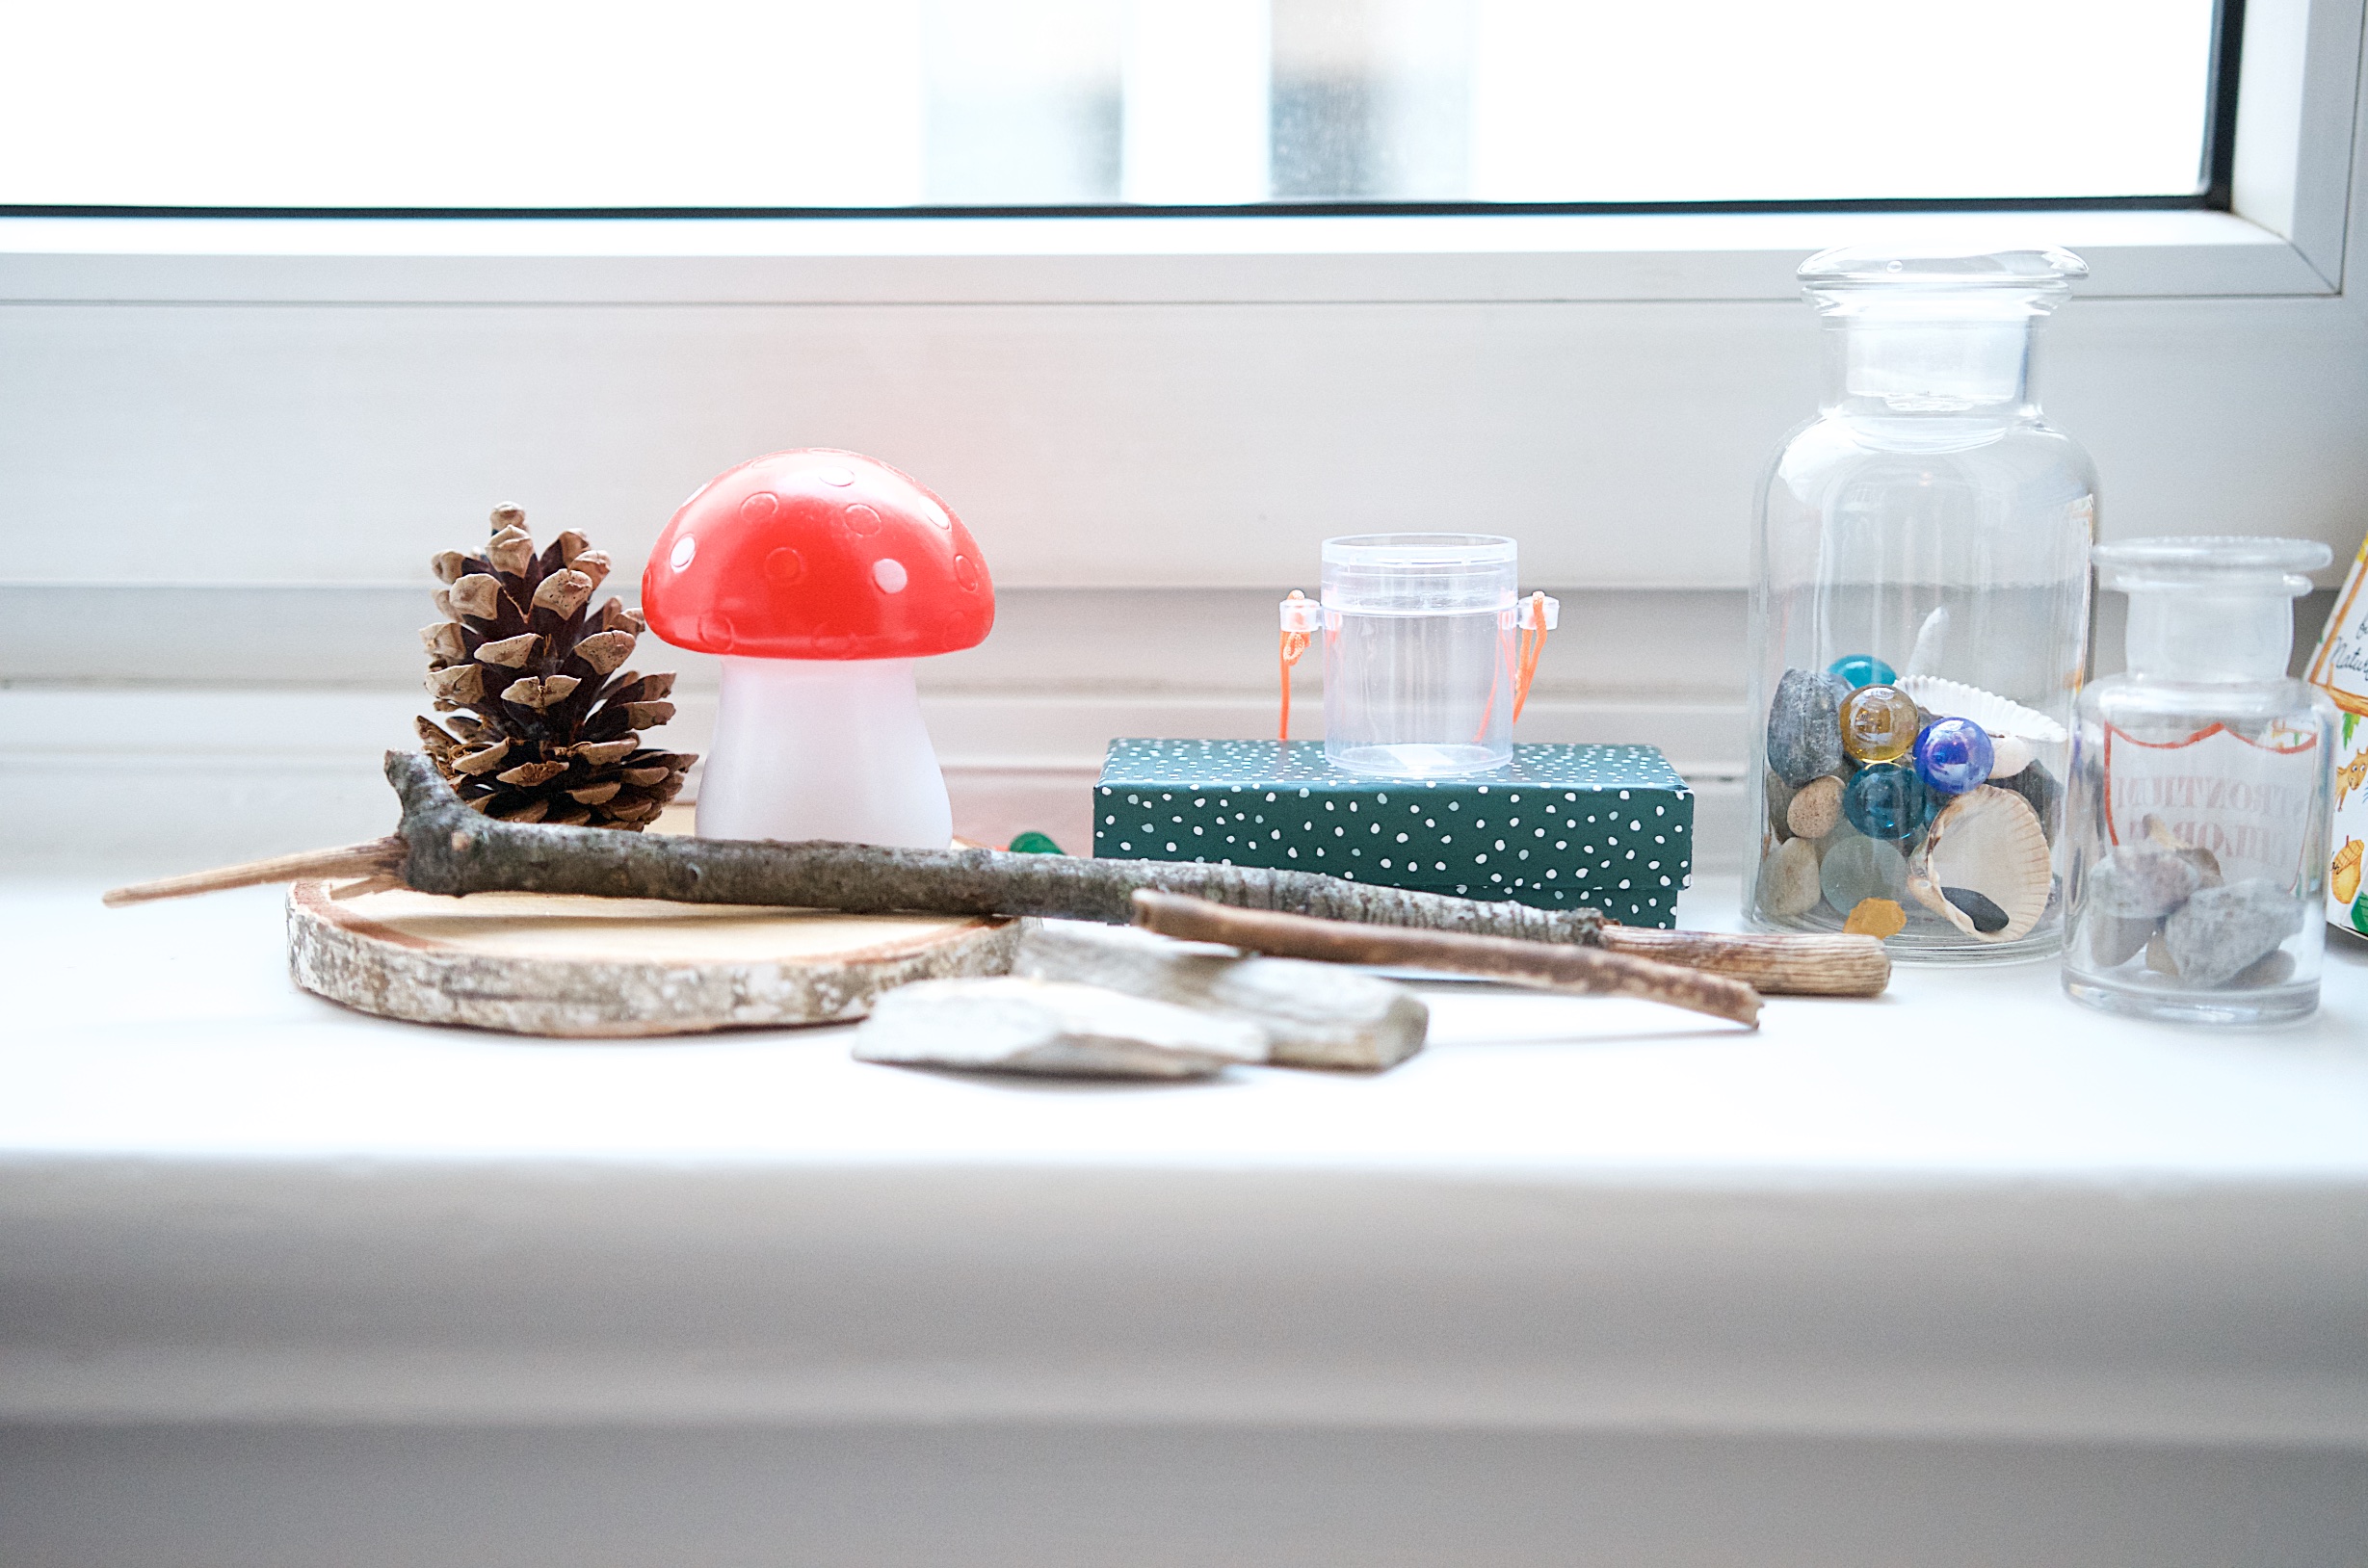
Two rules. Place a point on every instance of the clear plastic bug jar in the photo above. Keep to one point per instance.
(2198, 821)
(1424, 657)
(1920, 614)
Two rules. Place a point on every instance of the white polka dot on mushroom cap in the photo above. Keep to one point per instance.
(684, 548)
(835, 476)
(890, 574)
(935, 513)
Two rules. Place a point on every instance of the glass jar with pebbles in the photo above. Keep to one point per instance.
(2198, 821)
(1920, 614)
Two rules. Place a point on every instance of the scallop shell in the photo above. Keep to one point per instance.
(1986, 841)
(1955, 699)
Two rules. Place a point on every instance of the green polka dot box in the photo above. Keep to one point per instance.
(1561, 827)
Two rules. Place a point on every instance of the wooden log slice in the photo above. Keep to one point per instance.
(586, 968)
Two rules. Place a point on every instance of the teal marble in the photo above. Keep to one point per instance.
(1863, 669)
(1885, 801)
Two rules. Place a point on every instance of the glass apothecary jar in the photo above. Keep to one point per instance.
(2197, 817)
(1920, 615)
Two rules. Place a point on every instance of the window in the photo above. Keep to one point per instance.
(520, 105)
(1151, 420)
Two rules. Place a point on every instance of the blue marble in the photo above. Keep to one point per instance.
(1863, 669)
(1952, 755)
(1885, 801)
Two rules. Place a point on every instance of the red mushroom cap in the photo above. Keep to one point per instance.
(817, 554)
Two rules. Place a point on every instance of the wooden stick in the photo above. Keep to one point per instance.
(443, 846)
(1579, 971)
(1803, 965)
(379, 859)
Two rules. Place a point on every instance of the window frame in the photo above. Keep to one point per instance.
(2271, 219)
(1635, 294)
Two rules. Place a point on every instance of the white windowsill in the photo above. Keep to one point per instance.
(1968, 1211)
(1084, 260)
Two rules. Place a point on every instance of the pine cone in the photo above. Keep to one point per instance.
(546, 734)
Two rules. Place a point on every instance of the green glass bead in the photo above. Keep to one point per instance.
(1035, 843)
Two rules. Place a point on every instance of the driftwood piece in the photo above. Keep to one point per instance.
(605, 968)
(1804, 965)
(1312, 1014)
(442, 847)
(1011, 1025)
(1547, 966)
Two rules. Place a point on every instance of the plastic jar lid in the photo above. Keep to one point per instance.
(1419, 574)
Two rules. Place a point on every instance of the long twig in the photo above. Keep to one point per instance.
(443, 846)
(378, 860)
(1545, 965)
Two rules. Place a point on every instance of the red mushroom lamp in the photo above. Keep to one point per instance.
(819, 576)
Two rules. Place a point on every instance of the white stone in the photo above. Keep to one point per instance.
(1010, 1025)
(1311, 1014)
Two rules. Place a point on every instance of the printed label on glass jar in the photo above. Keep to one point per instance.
(2245, 799)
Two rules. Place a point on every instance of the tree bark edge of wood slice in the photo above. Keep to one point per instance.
(393, 956)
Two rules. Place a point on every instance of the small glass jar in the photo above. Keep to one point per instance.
(2197, 817)
(1421, 662)
(1919, 614)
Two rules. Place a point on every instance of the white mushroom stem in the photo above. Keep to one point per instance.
(823, 749)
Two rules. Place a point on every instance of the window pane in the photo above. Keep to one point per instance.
(884, 103)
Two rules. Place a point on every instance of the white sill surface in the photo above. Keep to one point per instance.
(1101, 260)
(1969, 1209)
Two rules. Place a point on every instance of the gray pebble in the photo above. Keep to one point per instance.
(1788, 881)
(2220, 931)
(1804, 725)
(2115, 939)
(2142, 881)
(1780, 805)
(2275, 970)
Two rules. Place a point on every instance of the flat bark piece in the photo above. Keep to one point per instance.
(587, 967)
(1053, 1027)
(1312, 1014)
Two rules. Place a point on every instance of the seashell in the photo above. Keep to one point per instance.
(2009, 755)
(1930, 638)
(1982, 866)
(1955, 699)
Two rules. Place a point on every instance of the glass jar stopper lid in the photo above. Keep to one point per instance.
(1930, 268)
